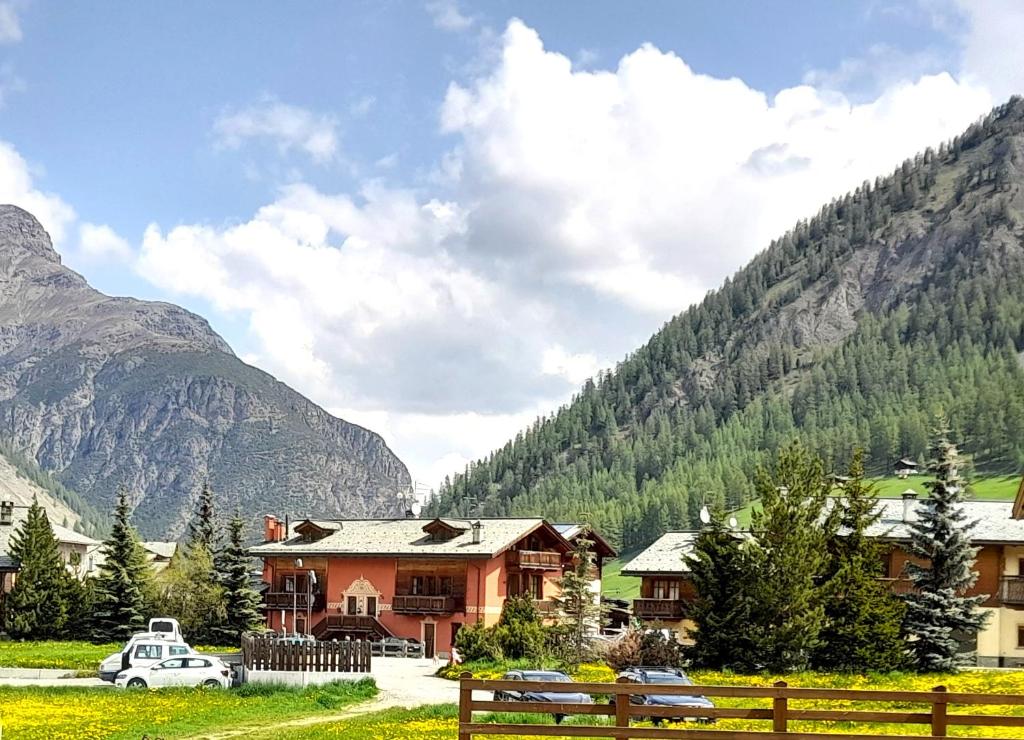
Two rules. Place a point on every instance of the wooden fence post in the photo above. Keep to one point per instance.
(939, 713)
(780, 710)
(622, 703)
(465, 706)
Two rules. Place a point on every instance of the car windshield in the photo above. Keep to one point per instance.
(669, 678)
(546, 676)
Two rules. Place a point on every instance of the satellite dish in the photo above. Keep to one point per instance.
(705, 515)
(733, 523)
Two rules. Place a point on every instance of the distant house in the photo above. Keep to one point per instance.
(409, 578)
(159, 554)
(666, 590)
(79, 552)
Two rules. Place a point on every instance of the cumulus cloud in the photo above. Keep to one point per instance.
(99, 242)
(993, 55)
(577, 210)
(288, 127)
(446, 15)
(17, 187)
(10, 24)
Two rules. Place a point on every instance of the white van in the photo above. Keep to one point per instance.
(166, 626)
(143, 649)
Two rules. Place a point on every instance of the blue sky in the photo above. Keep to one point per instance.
(436, 219)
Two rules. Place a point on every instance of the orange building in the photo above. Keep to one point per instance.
(409, 578)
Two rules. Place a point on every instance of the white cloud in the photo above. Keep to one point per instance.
(447, 16)
(17, 187)
(993, 54)
(10, 25)
(100, 242)
(576, 212)
(289, 127)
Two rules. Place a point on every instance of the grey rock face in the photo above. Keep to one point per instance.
(115, 391)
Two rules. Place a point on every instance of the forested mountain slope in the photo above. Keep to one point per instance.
(107, 392)
(897, 301)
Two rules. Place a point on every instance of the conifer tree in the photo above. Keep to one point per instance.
(578, 605)
(862, 630)
(723, 611)
(37, 607)
(125, 582)
(202, 529)
(939, 615)
(789, 550)
(241, 602)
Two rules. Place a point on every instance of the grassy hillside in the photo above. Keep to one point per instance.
(616, 586)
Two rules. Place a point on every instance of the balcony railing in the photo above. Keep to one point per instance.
(535, 559)
(424, 604)
(1011, 589)
(898, 586)
(293, 600)
(659, 608)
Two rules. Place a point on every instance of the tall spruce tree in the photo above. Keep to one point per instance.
(723, 611)
(939, 616)
(862, 630)
(202, 529)
(240, 600)
(124, 585)
(789, 539)
(37, 606)
(579, 606)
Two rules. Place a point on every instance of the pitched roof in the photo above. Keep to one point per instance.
(995, 525)
(63, 535)
(389, 537)
(601, 546)
(160, 549)
(664, 556)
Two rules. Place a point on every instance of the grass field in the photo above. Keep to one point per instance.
(441, 722)
(70, 654)
(616, 586)
(44, 713)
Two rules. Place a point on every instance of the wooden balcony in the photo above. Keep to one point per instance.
(1011, 590)
(293, 600)
(536, 559)
(425, 604)
(670, 609)
(898, 586)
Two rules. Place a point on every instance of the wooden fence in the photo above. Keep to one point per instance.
(932, 712)
(270, 654)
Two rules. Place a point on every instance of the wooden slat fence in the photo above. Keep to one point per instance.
(268, 654)
(931, 711)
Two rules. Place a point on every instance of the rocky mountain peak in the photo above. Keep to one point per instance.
(21, 233)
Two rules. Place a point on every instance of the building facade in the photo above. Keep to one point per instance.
(408, 578)
(666, 590)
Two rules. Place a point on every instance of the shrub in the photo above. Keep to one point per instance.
(476, 642)
(519, 631)
(624, 652)
(644, 648)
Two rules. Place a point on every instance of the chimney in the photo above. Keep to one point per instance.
(272, 528)
(909, 497)
(477, 532)
(6, 513)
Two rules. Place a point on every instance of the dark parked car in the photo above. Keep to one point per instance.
(554, 697)
(667, 677)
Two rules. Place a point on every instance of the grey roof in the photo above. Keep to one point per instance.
(664, 556)
(366, 537)
(994, 523)
(70, 536)
(994, 526)
(160, 549)
(63, 534)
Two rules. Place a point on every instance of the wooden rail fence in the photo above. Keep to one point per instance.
(269, 654)
(932, 712)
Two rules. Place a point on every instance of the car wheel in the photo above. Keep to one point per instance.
(211, 683)
(136, 683)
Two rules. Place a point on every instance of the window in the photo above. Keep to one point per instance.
(199, 663)
(664, 589)
(289, 584)
(1020, 637)
(417, 585)
(537, 587)
(173, 663)
(353, 605)
(445, 586)
(178, 650)
(149, 652)
(513, 586)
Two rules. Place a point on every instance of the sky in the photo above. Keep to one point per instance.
(437, 219)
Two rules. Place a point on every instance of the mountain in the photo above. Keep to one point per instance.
(20, 483)
(900, 300)
(108, 392)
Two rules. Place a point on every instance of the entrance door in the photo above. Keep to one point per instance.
(428, 640)
(353, 605)
(371, 606)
